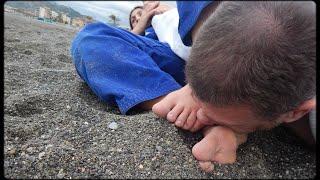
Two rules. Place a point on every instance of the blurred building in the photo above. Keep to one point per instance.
(9, 9)
(36, 12)
(65, 18)
(79, 22)
(44, 12)
(54, 15)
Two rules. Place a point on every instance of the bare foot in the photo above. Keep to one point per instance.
(180, 108)
(218, 145)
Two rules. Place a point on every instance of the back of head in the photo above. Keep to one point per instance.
(258, 53)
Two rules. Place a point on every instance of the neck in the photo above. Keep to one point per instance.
(205, 14)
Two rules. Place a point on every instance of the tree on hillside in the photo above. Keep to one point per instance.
(114, 19)
(89, 18)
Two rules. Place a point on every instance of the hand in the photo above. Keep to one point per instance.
(148, 3)
(148, 11)
(163, 8)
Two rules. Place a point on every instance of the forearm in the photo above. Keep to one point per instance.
(138, 30)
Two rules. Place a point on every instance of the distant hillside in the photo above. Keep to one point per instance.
(34, 5)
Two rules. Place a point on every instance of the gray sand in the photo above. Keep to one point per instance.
(55, 127)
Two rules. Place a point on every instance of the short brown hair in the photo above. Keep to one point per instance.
(258, 53)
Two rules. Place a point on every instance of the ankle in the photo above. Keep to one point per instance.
(147, 105)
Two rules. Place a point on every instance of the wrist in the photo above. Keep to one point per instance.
(138, 30)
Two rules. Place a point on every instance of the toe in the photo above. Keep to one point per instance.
(202, 152)
(196, 126)
(207, 148)
(203, 118)
(190, 120)
(174, 113)
(182, 118)
(162, 108)
(206, 166)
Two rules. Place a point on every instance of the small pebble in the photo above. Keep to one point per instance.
(159, 148)
(113, 126)
(141, 166)
(24, 146)
(12, 151)
(60, 174)
(31, 158)
(86, 123)
(41, 155)
(6, 164)
(30, 149)
(49, 146)
(44, 136)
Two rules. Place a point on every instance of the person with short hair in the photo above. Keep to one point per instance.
(251, 66)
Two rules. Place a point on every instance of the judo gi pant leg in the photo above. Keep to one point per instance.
(123, 68)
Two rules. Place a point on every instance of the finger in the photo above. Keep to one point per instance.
(151, 5)
(151, 13)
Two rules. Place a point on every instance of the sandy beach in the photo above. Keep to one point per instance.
(55, 127)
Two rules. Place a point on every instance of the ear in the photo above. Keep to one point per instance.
(300, 111)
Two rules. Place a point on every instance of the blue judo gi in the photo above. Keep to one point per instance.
(150, 33)
(126, 69)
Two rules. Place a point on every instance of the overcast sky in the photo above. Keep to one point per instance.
(101, 10)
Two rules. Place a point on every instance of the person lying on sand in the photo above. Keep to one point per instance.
(247, 70)
(259, 72)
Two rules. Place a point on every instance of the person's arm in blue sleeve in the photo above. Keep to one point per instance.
(150, 33)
